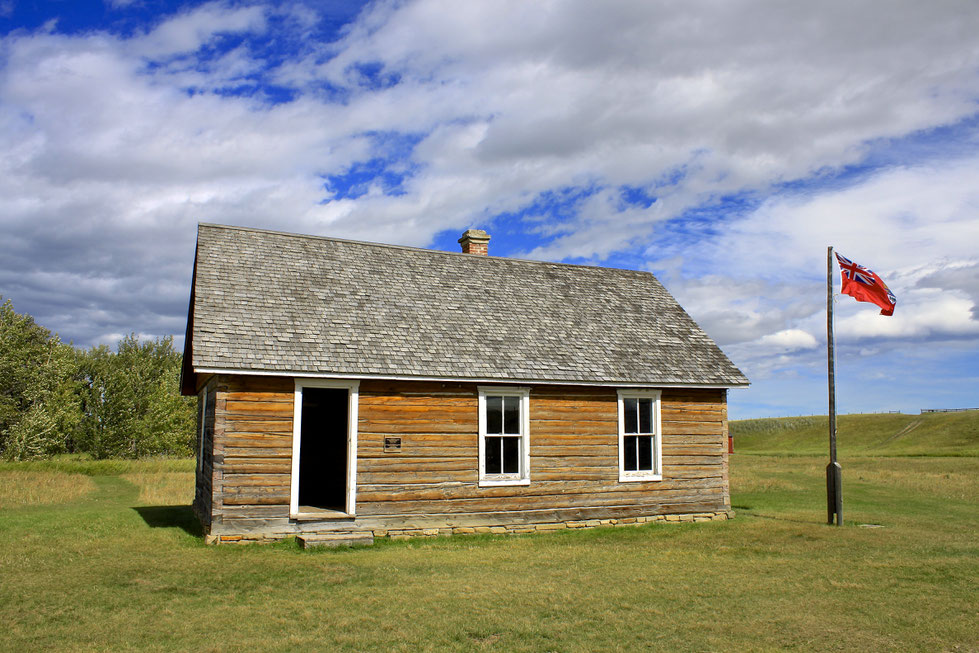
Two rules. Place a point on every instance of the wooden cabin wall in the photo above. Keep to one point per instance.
(252, 449)
(573, 454)
(204, 471)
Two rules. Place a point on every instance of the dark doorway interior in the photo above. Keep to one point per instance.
(323, 449)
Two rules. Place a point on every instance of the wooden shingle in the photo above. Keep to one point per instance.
(278, 303)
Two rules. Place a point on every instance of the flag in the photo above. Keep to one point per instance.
(864, 285)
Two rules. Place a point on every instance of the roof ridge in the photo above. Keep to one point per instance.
(426, 250)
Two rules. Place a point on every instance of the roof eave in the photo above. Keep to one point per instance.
(459, 379)
(188, 376)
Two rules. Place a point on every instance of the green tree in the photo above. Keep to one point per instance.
(131, 404)
(39, 407)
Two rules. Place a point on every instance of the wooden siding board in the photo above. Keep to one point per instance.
(409, 479)
(257, 440)
(389, 389)
(400, 427)
(416, 465)
(252, 424)
(524, 502)
(250, 452)
(473, 491)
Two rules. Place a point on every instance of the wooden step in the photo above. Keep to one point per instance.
(336, 539)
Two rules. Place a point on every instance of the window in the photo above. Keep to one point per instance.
(504, 436)
(640, 444)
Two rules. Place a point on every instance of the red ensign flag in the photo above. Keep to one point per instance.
(864, 285)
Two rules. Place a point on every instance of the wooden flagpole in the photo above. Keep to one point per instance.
(834, 473)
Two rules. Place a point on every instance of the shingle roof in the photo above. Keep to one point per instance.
(283, 303)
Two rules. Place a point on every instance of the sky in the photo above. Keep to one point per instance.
(722, 145)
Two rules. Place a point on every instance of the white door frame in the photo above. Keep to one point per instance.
(353, 394)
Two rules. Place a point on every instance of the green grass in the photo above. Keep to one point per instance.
(123, 567)
(931, 434)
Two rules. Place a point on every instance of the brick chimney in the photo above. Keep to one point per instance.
(475, 241)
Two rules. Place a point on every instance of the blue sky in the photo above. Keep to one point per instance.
(720, 145)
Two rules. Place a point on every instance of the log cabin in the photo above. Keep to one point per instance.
(351, 390)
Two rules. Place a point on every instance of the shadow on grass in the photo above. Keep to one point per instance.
(171, 517)
(749, 510)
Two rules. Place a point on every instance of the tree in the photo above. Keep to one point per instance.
(39, 408)
(54, 398)
(130, 401)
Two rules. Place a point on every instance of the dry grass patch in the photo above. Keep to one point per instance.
(21, 487)
(947, 478)
(956, 479)
(163, 488)
(753, 473)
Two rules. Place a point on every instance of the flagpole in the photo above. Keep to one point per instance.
(834, 473)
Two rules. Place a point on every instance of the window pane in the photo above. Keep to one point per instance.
(646, 453)
(645, 415)
(511, 455)
(494, 414)
(494, 458)
(511, 415)
(629, 408)
(629, 449)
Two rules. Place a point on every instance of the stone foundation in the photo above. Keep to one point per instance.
(511, 529)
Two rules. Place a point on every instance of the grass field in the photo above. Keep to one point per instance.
(119, 564)
(931, 434)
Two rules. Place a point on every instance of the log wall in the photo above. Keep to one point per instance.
(433, 480)
(573, 453)
(204, 472)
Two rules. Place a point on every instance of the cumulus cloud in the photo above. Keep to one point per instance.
(737, 97)
(724, 145)
(900, 217)
(960, 276)
(915, 226)
(789, 340)
(189, 30)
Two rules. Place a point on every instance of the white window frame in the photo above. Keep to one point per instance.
(353, 400)
(523, 477)
(655, 474)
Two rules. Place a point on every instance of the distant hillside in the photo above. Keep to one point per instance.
(931, 434)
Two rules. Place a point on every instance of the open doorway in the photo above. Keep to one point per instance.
(324, 448)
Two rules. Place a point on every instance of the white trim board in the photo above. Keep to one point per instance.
(454, 379)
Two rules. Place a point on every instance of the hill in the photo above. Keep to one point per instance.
(930, 434)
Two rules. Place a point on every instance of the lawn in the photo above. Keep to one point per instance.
(107, 556)
(886, 434)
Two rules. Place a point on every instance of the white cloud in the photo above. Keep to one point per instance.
(898, 219)
(737, 97)
(931, 317)
(788, 340)
(189, 30)
(958, 276)
(915, 226)
(112, 147)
